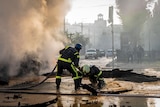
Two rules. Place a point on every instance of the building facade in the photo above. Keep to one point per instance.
(99, 33)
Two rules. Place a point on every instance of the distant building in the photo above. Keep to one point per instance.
(98, 32)
(100, 22)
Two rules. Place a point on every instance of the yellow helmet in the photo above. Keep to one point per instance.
(86, 69)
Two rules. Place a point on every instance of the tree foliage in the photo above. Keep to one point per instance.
(78, 38)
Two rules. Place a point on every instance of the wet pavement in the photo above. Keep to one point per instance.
(150, 89)
(84, 100)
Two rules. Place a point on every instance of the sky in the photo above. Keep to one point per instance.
(86, 11)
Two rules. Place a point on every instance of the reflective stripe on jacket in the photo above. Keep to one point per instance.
(69, 54)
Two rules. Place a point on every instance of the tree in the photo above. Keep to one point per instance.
(78, 38)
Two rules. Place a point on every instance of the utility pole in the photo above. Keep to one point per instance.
(112, 31)
(82, 28)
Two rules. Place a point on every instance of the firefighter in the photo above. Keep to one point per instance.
(69, 59)
(95, 75)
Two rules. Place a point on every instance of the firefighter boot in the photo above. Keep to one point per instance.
(76, 84)
(80, 81)
(58, 82)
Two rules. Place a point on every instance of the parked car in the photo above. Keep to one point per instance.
(102, 53)
(91, 53)
(109, 53)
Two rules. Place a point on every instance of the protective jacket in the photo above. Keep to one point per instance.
(70, 55)
(68, 59)
(95, 76)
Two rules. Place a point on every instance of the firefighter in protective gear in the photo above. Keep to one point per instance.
(95, 75)
(69, 59)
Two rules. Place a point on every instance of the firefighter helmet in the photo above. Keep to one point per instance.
(78, 46)
(86, 69)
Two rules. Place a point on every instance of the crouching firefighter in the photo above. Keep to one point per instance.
(95, 76)
(69, 59)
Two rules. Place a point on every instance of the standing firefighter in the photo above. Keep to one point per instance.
(69, 59)
(95, 75)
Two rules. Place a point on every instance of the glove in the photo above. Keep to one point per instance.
(79, 68)
(101, 84)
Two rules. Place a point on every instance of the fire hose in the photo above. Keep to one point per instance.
(82, 94)
(84, 86)
(27, 87)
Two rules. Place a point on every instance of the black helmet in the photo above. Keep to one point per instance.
(78, 46)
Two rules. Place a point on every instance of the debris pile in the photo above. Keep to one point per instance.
(128, 75)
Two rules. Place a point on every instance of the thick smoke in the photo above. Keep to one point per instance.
(31, 26)
(133, 14)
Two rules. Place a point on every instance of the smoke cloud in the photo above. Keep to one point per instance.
(31, 26)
